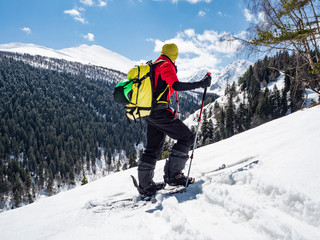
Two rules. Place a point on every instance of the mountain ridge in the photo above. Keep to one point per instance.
(100, 56)
(94, 54)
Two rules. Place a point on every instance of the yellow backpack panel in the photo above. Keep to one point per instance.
(142, 91)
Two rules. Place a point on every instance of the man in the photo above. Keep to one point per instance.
(162, 122)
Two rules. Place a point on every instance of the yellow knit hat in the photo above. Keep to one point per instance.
(170, 50)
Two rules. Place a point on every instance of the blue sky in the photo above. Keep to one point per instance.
(135, 29)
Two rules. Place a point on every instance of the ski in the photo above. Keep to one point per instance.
(225, 167)
(120, 204)
(245, 167)
(170, 190)
(230, 171)
(167, 190)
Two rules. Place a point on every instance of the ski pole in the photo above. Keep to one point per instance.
(195, 139)
(177, 103)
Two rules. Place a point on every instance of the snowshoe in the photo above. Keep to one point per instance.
(180, 179)
(150, 189)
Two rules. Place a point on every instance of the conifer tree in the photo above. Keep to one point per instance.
(166, 149)
(275, 103)
(291, 25)
(242, 120)
(206, 132)
(132, 160)
(230, 114)
(84, 180)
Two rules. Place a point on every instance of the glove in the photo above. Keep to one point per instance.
(184, 86)
(205, 82)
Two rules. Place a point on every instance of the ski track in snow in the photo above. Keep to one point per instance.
(267, 209)
(264, 209)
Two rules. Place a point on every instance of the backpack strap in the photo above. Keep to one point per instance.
(162, 104)
(156, 101)
(160, 95)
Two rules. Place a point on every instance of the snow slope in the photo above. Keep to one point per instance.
(277, 198)
(94, 55)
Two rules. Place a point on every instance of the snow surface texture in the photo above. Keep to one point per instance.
(94, 55)
(277, 198)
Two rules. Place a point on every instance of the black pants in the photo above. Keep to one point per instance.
(162, 123)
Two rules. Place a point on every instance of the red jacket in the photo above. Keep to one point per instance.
(165, 74)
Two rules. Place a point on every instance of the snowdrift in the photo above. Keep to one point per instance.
(268, 190)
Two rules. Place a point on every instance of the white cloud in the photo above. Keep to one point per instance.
(190, 32)
(76, 15)
(261, 18)
(87, 2)
(201, 13)
(200, 51)
(26, 30)
(90, 3)
(191, 1)
(196, 1)
(102, 3)
(89, 37)
(248, 15)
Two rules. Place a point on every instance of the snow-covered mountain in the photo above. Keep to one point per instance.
(99, 56)
(277, 197)
(231, 73)
(94, 55)
(196, 76)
